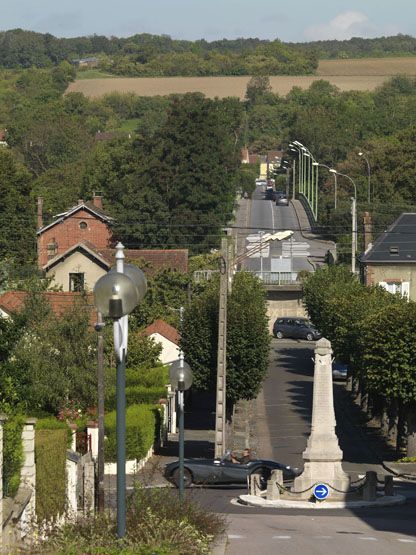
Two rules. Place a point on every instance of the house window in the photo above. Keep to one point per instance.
(52, 249)
(83, 225)
(76, 282)
(402, 287)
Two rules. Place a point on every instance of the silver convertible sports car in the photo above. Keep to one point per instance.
(224, 471)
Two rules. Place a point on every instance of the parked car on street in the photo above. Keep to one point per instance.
(224, 471)
(295, 328)
(339, 371)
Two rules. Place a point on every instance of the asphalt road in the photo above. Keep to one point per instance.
(266, 216)
(283, 430)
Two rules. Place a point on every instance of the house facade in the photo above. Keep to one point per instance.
(391, 261)
(168, 337)
(76, 248)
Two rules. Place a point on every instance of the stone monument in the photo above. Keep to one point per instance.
(323, 455)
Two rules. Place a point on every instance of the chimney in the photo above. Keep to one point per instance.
(40, 212)
(97, 200)
(80, 201)
(368, 230)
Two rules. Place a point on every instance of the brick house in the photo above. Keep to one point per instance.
(76, 249)
(391, 260)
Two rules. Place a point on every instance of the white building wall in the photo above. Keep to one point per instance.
(170, 351)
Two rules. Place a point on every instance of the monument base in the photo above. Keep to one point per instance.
(327, 472)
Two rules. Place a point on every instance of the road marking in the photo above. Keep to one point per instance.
(404, 540)
(235, 537)
(369, 538)
(282, 537)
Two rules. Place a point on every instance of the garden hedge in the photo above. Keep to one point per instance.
(12, 454)
(136, 395)
(142, 427)
(50, 456)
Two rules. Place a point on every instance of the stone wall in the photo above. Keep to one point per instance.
(284, 303)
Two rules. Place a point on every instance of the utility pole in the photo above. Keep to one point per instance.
(220, 409)
(100, 381)
(294, 179)
(354, 233)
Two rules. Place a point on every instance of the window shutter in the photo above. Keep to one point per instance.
(405, 289)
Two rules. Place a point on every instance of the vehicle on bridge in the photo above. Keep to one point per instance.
(224, 471)
(295, 328)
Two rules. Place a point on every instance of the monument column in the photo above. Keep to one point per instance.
(323, 455)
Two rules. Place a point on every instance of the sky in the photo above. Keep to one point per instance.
(290, 21)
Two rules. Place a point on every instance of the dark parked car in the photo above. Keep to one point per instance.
(339, 371)
(223, 471)
(295, 328)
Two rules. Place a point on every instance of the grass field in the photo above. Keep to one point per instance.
(361, 74)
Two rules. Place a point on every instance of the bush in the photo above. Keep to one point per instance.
(157, 524)
(142, 424)
(147, 377)
(50, 456)
(52, 423)
(12, 454)
(137, 394)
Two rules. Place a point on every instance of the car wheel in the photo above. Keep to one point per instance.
(279, 335)
(187, 478)
(309, 337)
(262, 475)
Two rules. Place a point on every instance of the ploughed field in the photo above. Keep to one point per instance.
(361, 74)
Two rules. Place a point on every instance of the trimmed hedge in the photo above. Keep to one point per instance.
(50, 456)
(147, 377)
(52, 423)
(136, 395)
(12, 454)
(142, 426)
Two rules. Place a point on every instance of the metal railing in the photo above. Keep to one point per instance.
(278, 278)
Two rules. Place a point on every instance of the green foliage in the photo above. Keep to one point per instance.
(12, 454)
(48, 346)
(147, 377)
(52, 423)
(142, 423)
(50, 456)
(137, 394)
(143, 351)
(247, 337)
(157, 523)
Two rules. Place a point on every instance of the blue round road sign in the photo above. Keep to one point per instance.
(321, 491)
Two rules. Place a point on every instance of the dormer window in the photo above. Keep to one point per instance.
(83, 225)
(394, 251)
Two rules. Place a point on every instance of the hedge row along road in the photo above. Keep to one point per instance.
(361, 74)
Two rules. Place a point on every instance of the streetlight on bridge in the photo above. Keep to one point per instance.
(369, 176)
(335, 180)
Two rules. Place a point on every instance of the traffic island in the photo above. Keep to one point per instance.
(323, 482)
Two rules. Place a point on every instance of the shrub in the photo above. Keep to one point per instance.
(50, 455)
(147, 377)
(157, 524)
(12, 454)
(52, 423)
(142, 424)
(136, 395)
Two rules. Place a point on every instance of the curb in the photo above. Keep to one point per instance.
(219, 547)
(384, 501)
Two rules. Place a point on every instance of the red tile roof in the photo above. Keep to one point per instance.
(163, 328)
(170, 259)
(60, 302)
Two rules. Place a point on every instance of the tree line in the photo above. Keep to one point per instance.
(373, 332)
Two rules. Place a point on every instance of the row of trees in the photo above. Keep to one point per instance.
(371, 330)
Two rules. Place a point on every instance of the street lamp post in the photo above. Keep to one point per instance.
(116, 294)
(354, 218)
(181, 380)
(369, 176)
(335, 180)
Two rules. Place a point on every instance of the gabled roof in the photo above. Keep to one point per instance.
(396, 244)
(163, 328)
(88, 206)
(60, 301)
(87, 248)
